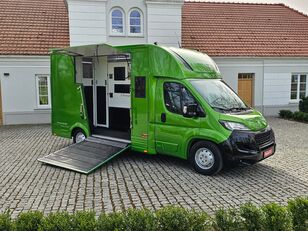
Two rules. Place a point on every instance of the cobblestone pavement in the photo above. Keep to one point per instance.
(136, 180)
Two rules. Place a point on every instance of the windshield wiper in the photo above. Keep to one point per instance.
(239, 108)
(221, 108)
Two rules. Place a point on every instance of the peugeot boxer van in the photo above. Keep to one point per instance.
(157, 100)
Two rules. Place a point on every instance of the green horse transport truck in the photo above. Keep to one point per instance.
(150, 99)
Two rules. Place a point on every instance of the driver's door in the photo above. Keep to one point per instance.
(172, 129)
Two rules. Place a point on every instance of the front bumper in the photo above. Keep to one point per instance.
(249, 145)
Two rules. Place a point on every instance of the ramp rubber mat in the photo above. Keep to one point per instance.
(86, 156)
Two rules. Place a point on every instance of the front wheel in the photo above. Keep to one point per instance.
(79, 136)
(206, 158)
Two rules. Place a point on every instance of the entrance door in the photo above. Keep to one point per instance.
(87, 81)
(1, 118)
(100, 93)
(245, 87)
(94, 82)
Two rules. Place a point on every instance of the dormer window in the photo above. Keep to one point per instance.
(117, 22)
(135, 22)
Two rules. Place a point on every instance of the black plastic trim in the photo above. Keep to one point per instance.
(242, 145)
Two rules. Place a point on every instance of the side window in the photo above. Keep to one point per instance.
(172, 96)
(87, 68)
(176, 96)
(140, 87)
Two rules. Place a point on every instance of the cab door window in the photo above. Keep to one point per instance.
(176, 96)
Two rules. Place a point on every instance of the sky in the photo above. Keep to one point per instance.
(300, 5)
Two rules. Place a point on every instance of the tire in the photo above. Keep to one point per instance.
(206, 158)
(79, 136)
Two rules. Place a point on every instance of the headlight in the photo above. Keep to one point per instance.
(234, 126)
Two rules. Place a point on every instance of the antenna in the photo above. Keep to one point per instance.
(178, 37)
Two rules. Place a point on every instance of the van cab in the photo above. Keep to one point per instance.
(160, 100)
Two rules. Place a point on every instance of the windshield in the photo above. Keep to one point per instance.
(218, 95)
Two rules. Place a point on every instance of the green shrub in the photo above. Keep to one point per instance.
(61, 221)
(306, 117)
(303, 104)
(111, 222)
(271, 217)
(299, 116)
(253, 218)
(6, 222)
(228, 220)
(140, 219)
(28, 221)
(84, 221)
(277, 218)
(200, 221)
(287, 114)
(299, 212)
(172, 218)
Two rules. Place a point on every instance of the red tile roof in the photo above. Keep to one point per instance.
(243, 29)
(32, 27)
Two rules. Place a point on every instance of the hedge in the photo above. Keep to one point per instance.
(298, 115)
(303, 104)
(248, 217)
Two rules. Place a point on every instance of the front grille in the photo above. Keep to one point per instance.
(263, 138)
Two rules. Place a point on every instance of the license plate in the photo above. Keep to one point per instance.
(268, 152)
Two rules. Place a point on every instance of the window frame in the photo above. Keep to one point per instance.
(201, 110)
(141, 23)
(298, 87)
(39, 106)
(123, 22)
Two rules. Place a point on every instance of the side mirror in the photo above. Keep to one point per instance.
(190, 110)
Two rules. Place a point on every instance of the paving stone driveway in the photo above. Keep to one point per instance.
(136, 180)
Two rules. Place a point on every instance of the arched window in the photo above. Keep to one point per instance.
(117, 21)
(135, 22)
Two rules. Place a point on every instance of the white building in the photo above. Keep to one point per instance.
(41, 25)
(125, 22)
(261, 50)
(28, 30)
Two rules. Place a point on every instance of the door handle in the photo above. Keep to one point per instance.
(163, 117)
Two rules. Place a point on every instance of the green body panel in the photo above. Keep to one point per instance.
(68, 108)
(148, 134)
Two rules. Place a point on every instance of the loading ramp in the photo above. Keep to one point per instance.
(86, 156)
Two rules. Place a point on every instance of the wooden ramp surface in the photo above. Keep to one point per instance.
(86, 156)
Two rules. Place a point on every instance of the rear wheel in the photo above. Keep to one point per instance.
(79, 136)
(206, 158)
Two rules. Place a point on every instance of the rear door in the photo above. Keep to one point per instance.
(68, 106)
(172, 129)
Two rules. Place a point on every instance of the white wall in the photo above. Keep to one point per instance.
(90, 21)
(87, 21)
(164, 22)
(19, 99)
(277, 82)
(272, 79)
(231, 67)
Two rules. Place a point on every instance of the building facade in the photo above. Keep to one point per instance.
(261, 49)
(119, 22)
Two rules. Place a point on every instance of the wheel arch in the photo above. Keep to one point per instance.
(79, 126)
(194, 140)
